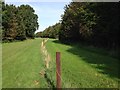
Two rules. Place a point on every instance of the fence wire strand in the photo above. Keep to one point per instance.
(52, 63)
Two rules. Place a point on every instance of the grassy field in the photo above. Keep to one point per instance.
(81, 67)
(21, 64)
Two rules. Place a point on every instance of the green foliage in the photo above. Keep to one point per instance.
(50, 32)
(38, 34)
(18, 22)
(92, 23)
(77, 21)
(0, 32)
(107, 25)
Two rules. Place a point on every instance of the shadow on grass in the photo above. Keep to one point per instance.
(50, 83)
(104, 63)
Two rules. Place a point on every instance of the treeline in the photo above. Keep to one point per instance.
(50, 32)
(18, 23)
(92, 23)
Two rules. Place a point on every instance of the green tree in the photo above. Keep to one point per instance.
(9, 21)
(93, 23)
(18, 22)
(28, 21)
(51, 31)
(77, 22)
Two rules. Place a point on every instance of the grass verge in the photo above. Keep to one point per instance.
(83, 68)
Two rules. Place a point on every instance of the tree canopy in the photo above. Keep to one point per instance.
(93, 23)
(89, 23)
(50, 32)
(18, 23)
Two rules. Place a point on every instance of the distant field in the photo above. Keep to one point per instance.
(81, 67)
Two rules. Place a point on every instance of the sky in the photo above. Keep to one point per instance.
(49, 13)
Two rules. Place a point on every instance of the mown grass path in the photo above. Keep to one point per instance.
(21, 64)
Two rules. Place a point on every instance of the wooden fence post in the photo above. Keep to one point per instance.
(58, 70)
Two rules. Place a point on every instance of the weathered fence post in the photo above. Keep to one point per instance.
(58, 70)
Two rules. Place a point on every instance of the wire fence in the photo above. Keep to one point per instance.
(50, 67)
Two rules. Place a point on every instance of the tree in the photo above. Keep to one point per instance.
(28, 21)
(9, 21)
(51, 31)
(107, 26)
(77, 22)
(18, 22)
(92, 23)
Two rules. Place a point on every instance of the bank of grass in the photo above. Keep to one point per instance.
(83, 67)
(21, 64)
